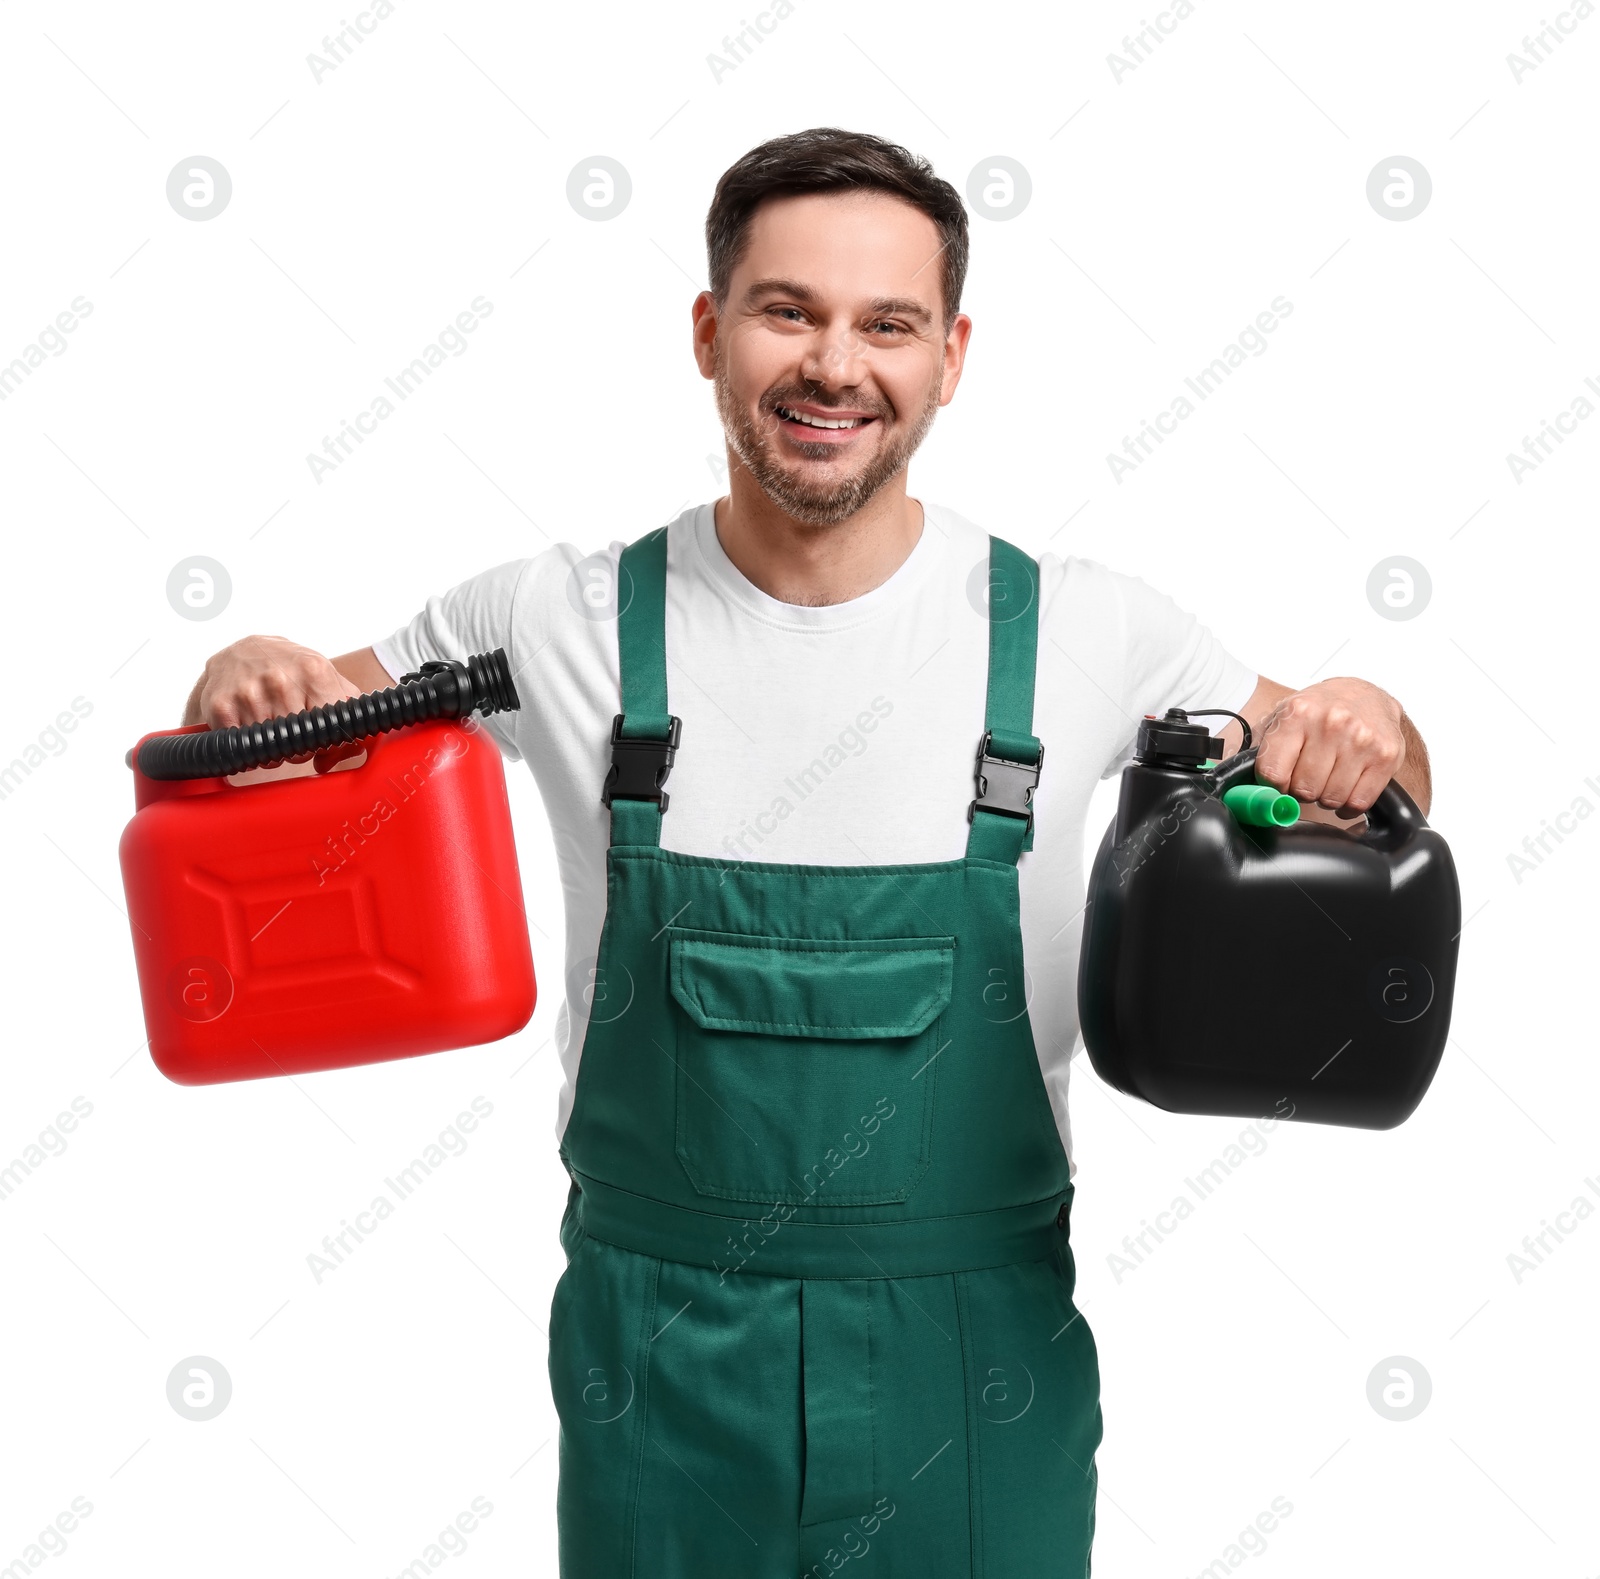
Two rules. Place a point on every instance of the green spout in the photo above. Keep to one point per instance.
(1261, 806)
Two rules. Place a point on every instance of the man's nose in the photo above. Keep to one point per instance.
(835, 358)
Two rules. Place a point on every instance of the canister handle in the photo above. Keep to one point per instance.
(1391, 819)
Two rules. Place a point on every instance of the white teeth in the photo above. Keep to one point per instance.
(819, 422)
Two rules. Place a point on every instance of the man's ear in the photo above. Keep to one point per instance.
(954, 356)
(704, 333)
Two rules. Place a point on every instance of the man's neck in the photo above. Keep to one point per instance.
(814, 565)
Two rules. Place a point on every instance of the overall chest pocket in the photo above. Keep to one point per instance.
(807, 1068)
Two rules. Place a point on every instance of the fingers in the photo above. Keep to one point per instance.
(335, 687)
(265, 677)
(235, 698)
(1372, 755)
(1343, 745)
(1369, 787)
(1336, 744)
(1317, 767)
(1279, 742)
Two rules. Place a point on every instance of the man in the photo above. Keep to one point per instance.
(818, 1299)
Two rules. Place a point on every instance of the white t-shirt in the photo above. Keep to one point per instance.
(839, 735)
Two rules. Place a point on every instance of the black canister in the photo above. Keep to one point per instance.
(1236, 961)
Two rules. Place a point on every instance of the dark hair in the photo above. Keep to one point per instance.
(826, 159)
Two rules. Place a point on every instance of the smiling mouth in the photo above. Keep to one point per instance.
(825, 424)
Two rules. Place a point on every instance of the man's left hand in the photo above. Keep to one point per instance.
(1335, 744)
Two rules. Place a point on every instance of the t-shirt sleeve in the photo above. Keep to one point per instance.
(1170, 660)
(475, 616)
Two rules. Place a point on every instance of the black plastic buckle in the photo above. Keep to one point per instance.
(1005, 786)
(640, 767)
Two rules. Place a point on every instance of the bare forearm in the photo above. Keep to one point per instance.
(1416, 772)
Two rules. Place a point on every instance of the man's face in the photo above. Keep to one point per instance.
(834, 316)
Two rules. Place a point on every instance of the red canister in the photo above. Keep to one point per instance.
(321, 920)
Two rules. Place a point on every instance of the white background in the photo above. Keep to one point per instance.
(1167, 210)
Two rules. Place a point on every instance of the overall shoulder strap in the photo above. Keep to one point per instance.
(1009, 755)
(644, 735)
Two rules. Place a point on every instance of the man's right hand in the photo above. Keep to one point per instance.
(262, 677)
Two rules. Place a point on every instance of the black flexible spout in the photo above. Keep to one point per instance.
(444, 689)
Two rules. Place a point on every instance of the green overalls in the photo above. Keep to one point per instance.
(817, 1309)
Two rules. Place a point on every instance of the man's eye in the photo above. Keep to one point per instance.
(884, 326)
(780, 310)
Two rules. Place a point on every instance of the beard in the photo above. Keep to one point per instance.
(820, 502)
